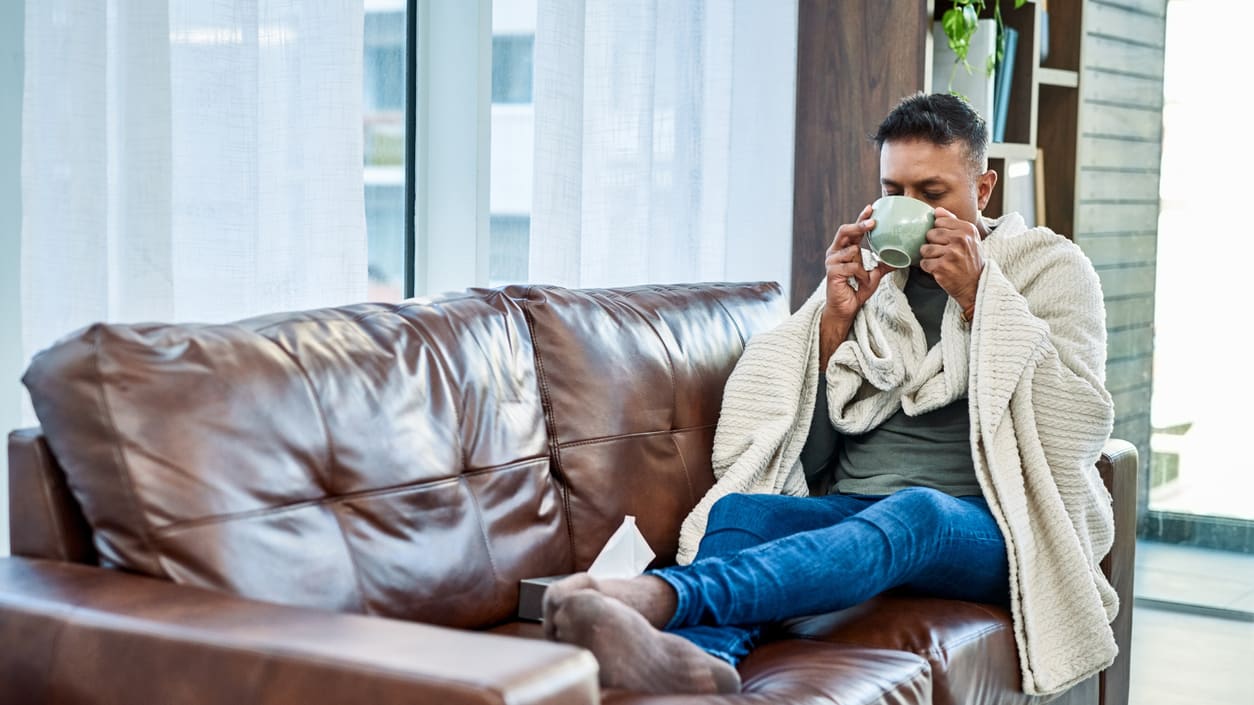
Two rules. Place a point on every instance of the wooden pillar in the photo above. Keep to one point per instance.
(855, 61)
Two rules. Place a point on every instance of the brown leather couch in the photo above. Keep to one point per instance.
(336, 506)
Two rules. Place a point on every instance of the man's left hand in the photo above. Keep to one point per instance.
(952, 257)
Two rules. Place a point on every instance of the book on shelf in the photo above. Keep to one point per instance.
(1003, 80)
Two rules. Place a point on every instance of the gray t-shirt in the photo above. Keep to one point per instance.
(930, 450)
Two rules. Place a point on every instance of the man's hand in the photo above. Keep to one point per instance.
(844, 262)
(952, 257)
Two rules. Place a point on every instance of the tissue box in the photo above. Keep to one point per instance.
(625, 555)
(531, 596)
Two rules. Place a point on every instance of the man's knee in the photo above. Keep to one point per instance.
(924, 511)
(922, 497)
(730, 511)
(733, 525)
(921, 506)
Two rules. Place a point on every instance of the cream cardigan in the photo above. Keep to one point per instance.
(1032, 363)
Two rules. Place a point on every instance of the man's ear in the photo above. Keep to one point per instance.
(984, 184)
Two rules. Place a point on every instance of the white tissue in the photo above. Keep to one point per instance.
(625, 555)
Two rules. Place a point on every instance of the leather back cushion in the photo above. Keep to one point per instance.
(411, 461)
(633, 380)
(380, 459)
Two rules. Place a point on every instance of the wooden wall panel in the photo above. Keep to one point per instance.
(1102, 149)
(1126, 343)
(1129, 312)
(1117, 203)
(1126, 246)
(1121, 184)
(1128, 123)
(1142, 25)
(1122, 280)
(1113, 218)
(1128, 373)
(855, 61)
(1125, 89)
(1123, 56)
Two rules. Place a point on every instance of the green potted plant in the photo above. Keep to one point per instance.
(960, 22)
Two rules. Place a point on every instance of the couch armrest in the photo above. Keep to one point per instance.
(94, 636)
(1120, 471)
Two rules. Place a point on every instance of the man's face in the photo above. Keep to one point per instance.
(939, 175)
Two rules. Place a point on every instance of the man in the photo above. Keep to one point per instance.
(944, 422)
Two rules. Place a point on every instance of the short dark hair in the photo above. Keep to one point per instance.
(940, 118)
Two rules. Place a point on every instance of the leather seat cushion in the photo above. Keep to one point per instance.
(797, 671)
(969, 646)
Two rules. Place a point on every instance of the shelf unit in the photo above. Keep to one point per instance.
(857, 59)
(1041, 122)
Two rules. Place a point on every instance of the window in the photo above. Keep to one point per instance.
(466, 176)
(1200, 480)
(511, 68)
(385, 144)
(383, 98)
(513, 139)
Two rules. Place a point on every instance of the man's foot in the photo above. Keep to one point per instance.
(634, 655)
(556, 594)
(652, 597)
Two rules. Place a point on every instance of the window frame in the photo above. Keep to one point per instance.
(446, 192)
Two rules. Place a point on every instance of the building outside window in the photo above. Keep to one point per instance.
(513, 140)
(512, 126)
(383, 98)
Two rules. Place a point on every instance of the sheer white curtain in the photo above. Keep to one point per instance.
(185, 160)
(642, 110)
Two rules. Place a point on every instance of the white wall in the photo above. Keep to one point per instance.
(12, 23)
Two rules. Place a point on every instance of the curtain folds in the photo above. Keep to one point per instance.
(188, 160)
(633, 124)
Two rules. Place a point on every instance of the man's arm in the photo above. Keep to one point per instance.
(833, 329)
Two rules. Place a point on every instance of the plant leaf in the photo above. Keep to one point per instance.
(970, 18)
(955, 30)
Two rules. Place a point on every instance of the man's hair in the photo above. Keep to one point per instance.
(939, 118)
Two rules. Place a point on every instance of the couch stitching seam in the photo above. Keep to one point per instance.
(247, 514)
(483, 529)
(550, 424)
(641, 434)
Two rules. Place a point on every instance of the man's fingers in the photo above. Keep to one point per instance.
(845, 270)
(848, 253)
(943, 234)
(851, 233)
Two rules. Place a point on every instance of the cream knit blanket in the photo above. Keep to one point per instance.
(1032, 364)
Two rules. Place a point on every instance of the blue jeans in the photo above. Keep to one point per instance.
(767, 558)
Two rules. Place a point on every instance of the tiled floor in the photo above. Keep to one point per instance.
(1187, 659)
(1222, 581)
(1180, 654)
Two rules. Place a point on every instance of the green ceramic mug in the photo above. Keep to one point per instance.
(901, 225)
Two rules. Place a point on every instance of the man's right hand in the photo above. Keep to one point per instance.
(844, 263)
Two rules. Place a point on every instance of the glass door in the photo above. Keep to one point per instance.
(1202, 469)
